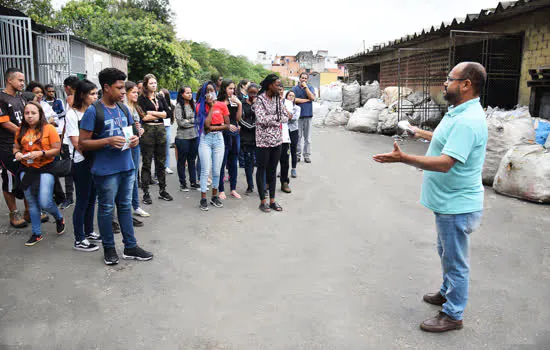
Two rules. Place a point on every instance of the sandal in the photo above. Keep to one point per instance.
(275, 206)
(264, 207)
(222, 196)
(235, 194)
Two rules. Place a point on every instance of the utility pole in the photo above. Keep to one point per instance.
(364, 49)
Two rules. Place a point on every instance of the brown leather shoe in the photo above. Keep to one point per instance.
(285, 187)
(43, 217)
(16, 220)
(435, 298)
(440, 323)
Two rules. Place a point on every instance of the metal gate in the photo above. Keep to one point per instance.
(16, 46)
(422, 70)
(54, 59)
(500, 54)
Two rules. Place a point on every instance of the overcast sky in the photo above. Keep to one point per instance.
(286, 27)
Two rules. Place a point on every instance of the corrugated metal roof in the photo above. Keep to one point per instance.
(503, 8)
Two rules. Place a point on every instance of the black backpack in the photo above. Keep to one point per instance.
(100, 123)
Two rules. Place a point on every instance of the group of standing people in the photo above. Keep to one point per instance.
(249, 125)
(97, 144)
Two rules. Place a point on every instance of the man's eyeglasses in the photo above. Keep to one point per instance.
(451, 79)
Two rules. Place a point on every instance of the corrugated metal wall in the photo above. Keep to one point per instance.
(16, 49)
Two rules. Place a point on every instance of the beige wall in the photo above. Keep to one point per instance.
(120, 63)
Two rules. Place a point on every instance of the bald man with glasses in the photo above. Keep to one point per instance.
(452, 187)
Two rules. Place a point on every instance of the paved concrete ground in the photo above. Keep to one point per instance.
(343, 267)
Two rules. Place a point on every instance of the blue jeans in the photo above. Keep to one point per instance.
(248, 163)
(187, 152)
(211, 150)
(115, 189)
(135, 193)
(83, 214)
(44, 201)
(232, 143)
(453, 239)
(168, 136)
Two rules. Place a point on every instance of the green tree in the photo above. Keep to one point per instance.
(40, 11)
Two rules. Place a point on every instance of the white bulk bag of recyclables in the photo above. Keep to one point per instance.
(351, 97)
(391, 94)
(369, 91)
(331, 93)
(387, 122)
(365, 119)
(337, 117)
(506, 129)
(320, 111)
(525, 173)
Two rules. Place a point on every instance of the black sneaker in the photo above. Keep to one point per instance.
(85, 246)
(184, 188)
(33, 240)
(66, 204)
(215, 201)
(165, 195)
(110, 257)
(137, 223)
(249, 191)
(116, 228)
(137, 253)
(60, 226)
(93, 237)
(307, 160)
(195, 186)
(147, 198)
(204, 204)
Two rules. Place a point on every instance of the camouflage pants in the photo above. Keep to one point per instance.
(153, 142)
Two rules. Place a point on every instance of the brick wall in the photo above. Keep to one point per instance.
(536, 53)
(535, 26)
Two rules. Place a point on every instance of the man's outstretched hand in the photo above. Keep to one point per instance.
(392, 157)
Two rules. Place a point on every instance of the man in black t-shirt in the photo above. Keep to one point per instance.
(11, 115)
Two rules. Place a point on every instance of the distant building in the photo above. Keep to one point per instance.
(264, 59)
(291, 66)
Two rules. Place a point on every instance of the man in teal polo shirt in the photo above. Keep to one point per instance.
(452, 187)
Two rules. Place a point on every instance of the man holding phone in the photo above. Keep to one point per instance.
(305, 95)
(452, 187)
(112, 165)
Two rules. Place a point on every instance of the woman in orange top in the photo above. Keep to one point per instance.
(36, 145)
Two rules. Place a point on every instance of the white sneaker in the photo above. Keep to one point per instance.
(168, 171)
(141, 212)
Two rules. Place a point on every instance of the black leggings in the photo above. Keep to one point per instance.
(266, 161)
(285, 158)
(294, 136)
